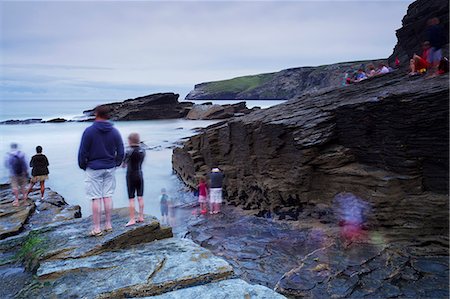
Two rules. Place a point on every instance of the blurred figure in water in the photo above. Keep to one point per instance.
(352, 214)
(164, 204)
(172, 211)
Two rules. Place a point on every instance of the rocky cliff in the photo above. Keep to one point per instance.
(280, 85)
(385, 139)
(412, 33)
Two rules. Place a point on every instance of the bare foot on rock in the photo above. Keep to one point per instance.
(131, 222)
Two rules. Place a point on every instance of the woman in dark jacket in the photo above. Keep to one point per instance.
(39, 163)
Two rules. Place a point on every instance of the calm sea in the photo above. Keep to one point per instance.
(61, 141)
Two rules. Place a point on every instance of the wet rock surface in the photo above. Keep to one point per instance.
(308, 259)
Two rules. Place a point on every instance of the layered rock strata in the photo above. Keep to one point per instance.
(384, 139)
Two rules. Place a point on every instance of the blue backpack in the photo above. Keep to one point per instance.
(17, 165)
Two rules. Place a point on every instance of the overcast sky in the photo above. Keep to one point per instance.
(118, 50)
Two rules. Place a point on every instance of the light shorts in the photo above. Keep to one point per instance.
(202, 198)
(435, 55)
(215, 195)
(39, 178)
(18, 181)
(100, 183)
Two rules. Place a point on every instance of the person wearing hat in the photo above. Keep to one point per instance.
(215, 191)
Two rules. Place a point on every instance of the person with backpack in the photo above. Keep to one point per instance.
(39, 173)
(18, 171)
(135, 182)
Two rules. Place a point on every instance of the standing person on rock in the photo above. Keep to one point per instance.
(18, 172)
(39, 173)
(135, 182)
(215, 191)
(101, 151)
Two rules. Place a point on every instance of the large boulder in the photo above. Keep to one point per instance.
(215, 111)
(154, 106)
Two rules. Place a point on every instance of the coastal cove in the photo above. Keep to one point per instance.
(60, 142)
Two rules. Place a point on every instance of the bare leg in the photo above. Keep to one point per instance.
(96, 213)
(16, 195)
(132, 219)
(42, 189)
(141, 209)
(107, 204)
(30, 188)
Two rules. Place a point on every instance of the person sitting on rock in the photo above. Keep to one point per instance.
(39, 172)
(420, 64)
(436, 37)
(382, 69)
(135, 182)
(371, 70)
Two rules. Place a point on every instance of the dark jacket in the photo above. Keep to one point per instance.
(39, 164)
(435, 35)
(216, 179)
(101, 147)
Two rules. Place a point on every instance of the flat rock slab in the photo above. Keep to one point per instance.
(231, 288)
(70, 239)
(143, 270)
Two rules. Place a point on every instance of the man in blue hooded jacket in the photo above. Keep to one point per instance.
(101, 151)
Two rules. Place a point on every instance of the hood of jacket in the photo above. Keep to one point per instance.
(103, 126)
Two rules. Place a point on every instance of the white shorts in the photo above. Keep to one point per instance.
(100, 183)
(215, 195)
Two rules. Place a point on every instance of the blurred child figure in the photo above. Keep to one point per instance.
(352, 214)
(203, 195)
(135, 182)
(39, 173)
(164, 203)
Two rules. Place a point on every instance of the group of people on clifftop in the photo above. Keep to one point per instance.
(101, 151)
(430, 62)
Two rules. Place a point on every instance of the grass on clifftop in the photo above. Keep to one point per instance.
(239, 84)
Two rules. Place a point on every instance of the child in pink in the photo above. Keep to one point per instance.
(203, 195)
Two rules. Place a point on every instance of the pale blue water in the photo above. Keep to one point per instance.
(60, 143)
